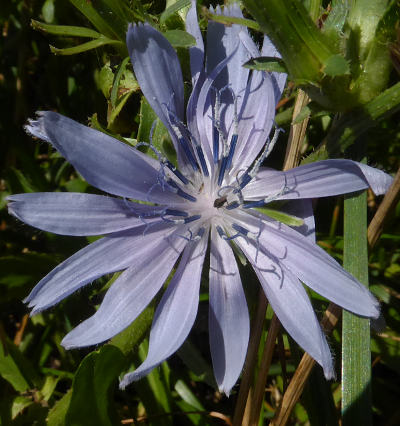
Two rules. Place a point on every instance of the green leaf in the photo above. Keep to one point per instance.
(174, 8)
(15, 368)
(303, 47)
(285, 218)
(49, 387)
(334, 23)
(64, 30)
(86, 8)
(353, 124)
(130, 338)
(180, 38)
(336, 65)
(19, 404)
(48, 10)
(117, 109)
(154, 391)
(356, 352)
(311, 109)
(117, 78)
(58, 412)
(191, 356)
(229, 20)
(266, 63)
(187, 395)
(91, 399)
(92, 44)
(105, 80)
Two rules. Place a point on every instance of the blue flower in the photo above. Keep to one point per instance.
(208, 199)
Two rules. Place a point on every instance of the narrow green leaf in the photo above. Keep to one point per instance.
(285, 218)
(117, 78)
(266, 63)
(174, 8)
(64, 30)
(191, 356)
(86, 8)
(153, 390)
(229, 20)
(93, 44)
(179, 38)
(187, 395)
(356, 352)
(91, 399)
(118, 107)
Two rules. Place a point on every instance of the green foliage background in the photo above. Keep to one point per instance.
(42, 383)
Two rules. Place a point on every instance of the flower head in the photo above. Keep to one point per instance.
(210, 197)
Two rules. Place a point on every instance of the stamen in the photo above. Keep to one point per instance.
(192, 218)
(172, 212)
(251, 173)
(202, 160)
(254, 204)
(222, 170)
(216, 129)
(233, 205)
(175, 188)
(231, 150)
(199, 235)
(240, 229)
(223, 235)
(183, 142)
(176, 171)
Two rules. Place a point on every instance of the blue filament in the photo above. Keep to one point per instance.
(172, 212)
(240, 229)
(215, 144)
(202, 160)
(231, 150)
(180, 192)
(246, 178)
(222, 170)
(186, 149)
(259, 203)
(176, 172)
(192, 218)
(232, 206)
(225, 237)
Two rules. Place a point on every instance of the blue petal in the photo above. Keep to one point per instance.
(109, 254)
(176, 311)
(256, 119)
(320, 179)
(291, 305)
(229, 326)
(197, 51)
(103, 161)
(312, 265)
(69, 213)
(159, 74)
(222, 41)
(129, 294)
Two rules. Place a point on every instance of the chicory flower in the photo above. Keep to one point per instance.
(210, 198)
